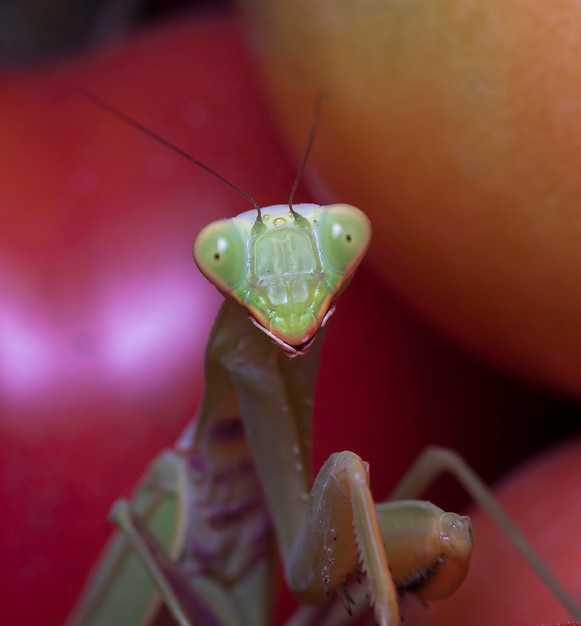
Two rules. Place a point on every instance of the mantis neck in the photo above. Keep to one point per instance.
(249, 376)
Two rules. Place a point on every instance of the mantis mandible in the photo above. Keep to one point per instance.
(198, 540)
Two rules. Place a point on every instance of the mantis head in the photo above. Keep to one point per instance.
(285, 266)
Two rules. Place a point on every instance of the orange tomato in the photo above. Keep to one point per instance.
(455, 125)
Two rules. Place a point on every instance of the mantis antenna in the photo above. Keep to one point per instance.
(113, 110)
(308, 149)
(150, 133)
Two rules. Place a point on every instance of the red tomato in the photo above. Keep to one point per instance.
(104, 317)
(455, 125)
(544, 499)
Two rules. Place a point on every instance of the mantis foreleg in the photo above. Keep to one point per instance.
(330, 532)
(434, 461)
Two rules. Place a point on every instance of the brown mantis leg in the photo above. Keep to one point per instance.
(339, 536)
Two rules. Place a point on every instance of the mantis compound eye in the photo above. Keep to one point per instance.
(344, 236)
(221, 254)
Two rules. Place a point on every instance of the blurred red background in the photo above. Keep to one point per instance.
(104, 317)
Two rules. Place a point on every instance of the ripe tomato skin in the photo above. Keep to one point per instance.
(544, 498)
(104, 317)
(455, 124)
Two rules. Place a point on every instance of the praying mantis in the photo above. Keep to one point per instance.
(198, 540)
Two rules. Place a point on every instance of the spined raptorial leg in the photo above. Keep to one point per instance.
(434, 461)
(410, 545)
(339, 538)
(428, 552)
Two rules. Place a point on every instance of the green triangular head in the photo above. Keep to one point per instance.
(285, 268)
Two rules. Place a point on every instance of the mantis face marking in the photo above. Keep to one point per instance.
(285, 268)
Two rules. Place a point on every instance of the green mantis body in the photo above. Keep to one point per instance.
(239, 478)
(200, 537)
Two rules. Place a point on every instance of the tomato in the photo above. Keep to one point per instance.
(455, 125)
(544, 499)
(104, 317)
